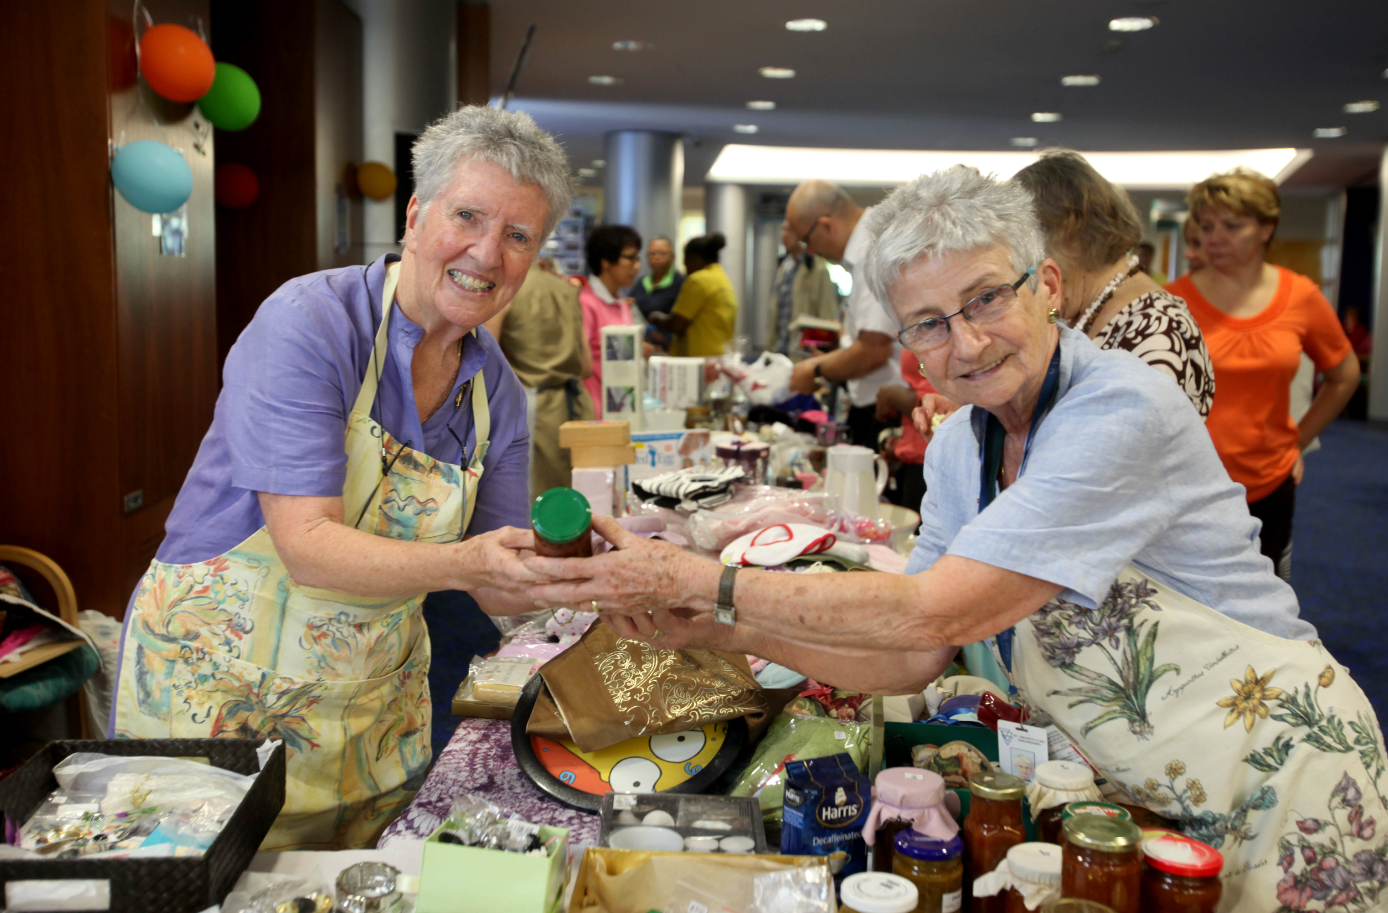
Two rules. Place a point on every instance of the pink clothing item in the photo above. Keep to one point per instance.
(600, 310)
(918, 796)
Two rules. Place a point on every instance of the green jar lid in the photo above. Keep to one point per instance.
(561, 515)
(1102, 809)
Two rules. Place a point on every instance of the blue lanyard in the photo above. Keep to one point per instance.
(990, 460)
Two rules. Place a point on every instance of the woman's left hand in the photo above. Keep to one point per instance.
(1298, 469)
(637, 577)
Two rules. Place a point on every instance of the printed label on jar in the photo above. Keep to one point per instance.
(952, 902)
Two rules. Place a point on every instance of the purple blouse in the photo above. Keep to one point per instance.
(288, 386)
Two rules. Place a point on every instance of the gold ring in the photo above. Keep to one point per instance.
(595, 606)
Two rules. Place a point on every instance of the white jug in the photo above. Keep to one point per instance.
(848, 472)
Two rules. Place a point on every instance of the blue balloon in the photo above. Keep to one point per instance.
(152, 176)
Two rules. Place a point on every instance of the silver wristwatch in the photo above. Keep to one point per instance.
(724, 612)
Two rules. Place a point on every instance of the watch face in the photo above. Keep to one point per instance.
(725, 616)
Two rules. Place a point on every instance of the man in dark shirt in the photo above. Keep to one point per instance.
(658, 289)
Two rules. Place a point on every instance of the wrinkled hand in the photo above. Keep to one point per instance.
(931, 405)
(498, 557)
(672, 629)
(802, 379)
(637, 577)
(1298, 469)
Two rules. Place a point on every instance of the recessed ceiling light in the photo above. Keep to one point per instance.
(1329, 132)
(605, 80)
(1361, 107)
(632, 45)
(1026, 142)
(599, 163)
(586, 173)
(777, 73)
(807, 25)
(1079, 80)
(1385, 74)
(761, 105)
(1045, 117)
(744, 128)
(1132, 24)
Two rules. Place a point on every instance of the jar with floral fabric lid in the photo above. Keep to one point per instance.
(907, 797)
(1102, 860)
(1056, 785)
(1180, 875)
(1026, 879)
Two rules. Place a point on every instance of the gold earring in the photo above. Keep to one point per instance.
(1053, 315)
(921, 368)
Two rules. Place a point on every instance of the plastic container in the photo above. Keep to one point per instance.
(1057, 784)
(993, 827)
(877, 892)
(1180, 875)
(1102, 860)
(562, 520)
(935, 867)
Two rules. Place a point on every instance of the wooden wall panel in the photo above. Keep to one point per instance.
(338, 128)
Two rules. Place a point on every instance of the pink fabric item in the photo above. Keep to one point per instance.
(597, 314)
(18, 639)
(918, 796)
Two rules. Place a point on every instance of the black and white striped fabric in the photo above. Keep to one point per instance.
(690, 489)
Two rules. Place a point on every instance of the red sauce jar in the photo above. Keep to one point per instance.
(1102, 861)
(993, 827)
(1180, 875)
(562, 521)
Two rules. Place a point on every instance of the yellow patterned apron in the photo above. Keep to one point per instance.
(1260, 746)
(233, 647)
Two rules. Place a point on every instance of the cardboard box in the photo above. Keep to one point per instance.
(623, 371)
(461, 879)
(611, 881)
(676, 382)
(659, 452)
(595, 434)
(599, 485)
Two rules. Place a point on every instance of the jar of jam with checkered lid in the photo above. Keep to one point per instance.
(1180, 875)
(1101, 859)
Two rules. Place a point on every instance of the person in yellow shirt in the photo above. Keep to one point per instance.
(705, 312)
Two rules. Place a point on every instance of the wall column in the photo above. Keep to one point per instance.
(1378, 376)
(725, 210)
(643, 181)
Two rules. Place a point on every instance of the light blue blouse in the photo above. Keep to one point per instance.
(1121, 471)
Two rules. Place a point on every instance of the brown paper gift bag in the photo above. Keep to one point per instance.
(607, 690)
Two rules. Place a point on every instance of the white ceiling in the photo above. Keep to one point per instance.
(960, 75)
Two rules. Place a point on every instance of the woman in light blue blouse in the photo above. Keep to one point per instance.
(1078, 514)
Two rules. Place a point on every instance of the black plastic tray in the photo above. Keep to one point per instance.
(167, 885)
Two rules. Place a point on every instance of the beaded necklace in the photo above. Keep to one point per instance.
(1093, 310)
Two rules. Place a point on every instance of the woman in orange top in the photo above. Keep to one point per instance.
(1257, 319)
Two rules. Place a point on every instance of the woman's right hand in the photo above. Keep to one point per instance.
(930, 406)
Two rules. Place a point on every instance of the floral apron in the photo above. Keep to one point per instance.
(233, 647)
(1262, 747)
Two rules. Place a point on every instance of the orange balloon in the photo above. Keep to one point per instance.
(376, 180)
(176, 62)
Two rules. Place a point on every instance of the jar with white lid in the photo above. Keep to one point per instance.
(1026, 879)
(877, 892)
(1055, 785)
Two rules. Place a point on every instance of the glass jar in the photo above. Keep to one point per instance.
(907, 797)
(1035, 869)
(935, 867)
(562, 521)
(1102, 860)
(993, 827)
(1057, 784)
(1102, 809)
(1180, 875)
(877, 892)
(1074, 905)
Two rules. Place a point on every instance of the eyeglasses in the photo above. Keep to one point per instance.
(805, 240)
(634, 258)
(985, 307)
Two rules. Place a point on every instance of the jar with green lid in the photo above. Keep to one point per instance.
(877, 892)
(935, 867)
(1102, 809)
(993, 827)
(562, 521)
(1102, 860)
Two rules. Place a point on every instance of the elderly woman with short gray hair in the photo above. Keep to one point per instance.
(369, 446)
(1077, 513)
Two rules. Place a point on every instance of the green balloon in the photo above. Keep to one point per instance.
(233, 102)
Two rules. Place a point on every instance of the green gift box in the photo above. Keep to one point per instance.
(456, 879)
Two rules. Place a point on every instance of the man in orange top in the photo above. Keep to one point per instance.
(1257, 319)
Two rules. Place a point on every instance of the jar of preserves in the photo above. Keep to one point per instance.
(935, 867)
(1180, 875)
(1103, 809)
(1057, 784)
(1074, 905)
(562, 521)
(1102, 861)
(907, 797)
(993, 827)
(877, 892)
(1027, 878)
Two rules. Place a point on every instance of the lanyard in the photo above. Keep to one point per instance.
(991, 464)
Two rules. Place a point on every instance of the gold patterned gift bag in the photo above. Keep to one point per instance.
(608, 690)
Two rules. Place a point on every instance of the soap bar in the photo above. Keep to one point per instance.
(501, 678)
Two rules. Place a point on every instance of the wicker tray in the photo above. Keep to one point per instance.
(168, 885)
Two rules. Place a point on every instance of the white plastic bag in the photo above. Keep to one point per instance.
(766, 381)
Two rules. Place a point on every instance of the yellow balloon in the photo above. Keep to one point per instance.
(376, 180)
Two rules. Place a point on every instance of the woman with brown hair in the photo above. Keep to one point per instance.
(1257, 320)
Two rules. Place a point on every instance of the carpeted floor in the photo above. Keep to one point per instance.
(1339, 570)
(1340, 551)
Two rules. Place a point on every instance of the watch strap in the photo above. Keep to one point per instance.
(724, 612)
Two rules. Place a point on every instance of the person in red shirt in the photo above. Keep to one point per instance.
(896, 401)
(1257, 320)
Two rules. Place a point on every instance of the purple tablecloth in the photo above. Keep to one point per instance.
(479, 760)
